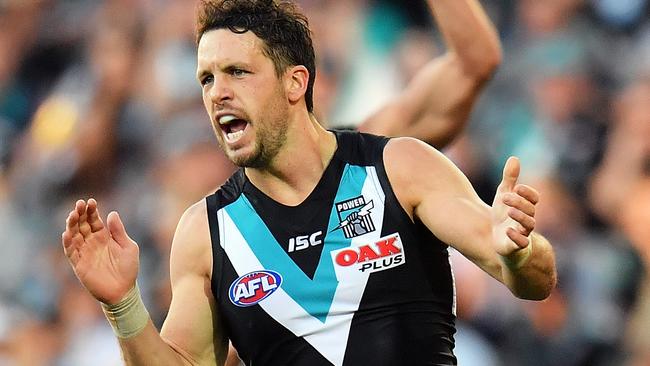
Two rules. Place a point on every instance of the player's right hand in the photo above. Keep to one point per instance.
(104, 257)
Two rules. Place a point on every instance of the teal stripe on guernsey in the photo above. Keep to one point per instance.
(315, 296)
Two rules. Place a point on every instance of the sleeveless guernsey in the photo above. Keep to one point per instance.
(344, 278)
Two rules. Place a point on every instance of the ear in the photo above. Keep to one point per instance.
(296, 80)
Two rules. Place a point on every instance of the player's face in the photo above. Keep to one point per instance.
(245, 99)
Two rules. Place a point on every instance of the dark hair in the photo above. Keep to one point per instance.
(279, 23)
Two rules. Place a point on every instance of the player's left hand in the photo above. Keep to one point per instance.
(513, 211)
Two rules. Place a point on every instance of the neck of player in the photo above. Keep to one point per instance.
(299, 165)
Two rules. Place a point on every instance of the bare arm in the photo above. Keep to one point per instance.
(192, 322)
(497, 238)
(436, 104)
(105, 260)
(189, 333)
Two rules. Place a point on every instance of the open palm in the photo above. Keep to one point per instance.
(103, 257)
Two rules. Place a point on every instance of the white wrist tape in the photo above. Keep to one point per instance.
(129, 316)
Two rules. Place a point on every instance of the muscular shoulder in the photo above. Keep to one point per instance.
(405, 150)
(191, 249)
(417, 170)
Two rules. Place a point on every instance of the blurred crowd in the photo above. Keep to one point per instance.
(99, 99)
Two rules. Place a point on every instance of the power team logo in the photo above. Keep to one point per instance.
(385, 253)
(357, 219)
(254, 287)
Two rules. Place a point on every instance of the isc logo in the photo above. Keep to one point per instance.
(301, 242)
(254, 287)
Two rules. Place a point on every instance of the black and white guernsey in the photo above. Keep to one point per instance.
(344, 278)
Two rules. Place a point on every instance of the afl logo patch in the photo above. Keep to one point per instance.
(254, 287)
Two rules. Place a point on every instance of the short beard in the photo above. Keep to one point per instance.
(266, 149)
(267, 146)
(270, 137)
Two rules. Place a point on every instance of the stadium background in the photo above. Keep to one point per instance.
(99, 98)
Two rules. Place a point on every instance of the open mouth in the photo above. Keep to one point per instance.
(232, 127)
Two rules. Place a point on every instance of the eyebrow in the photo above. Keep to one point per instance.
(202, 73)
(225, 67)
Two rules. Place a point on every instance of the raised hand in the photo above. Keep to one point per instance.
(103, 257)
(513, 211)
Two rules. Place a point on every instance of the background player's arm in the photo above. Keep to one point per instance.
(497, 238)
(436, 104)
(105, 260)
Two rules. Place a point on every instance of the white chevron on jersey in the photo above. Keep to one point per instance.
(329, 337)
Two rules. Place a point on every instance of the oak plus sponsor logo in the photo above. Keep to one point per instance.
(254, 287)
(354, 217)
(385, 253)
